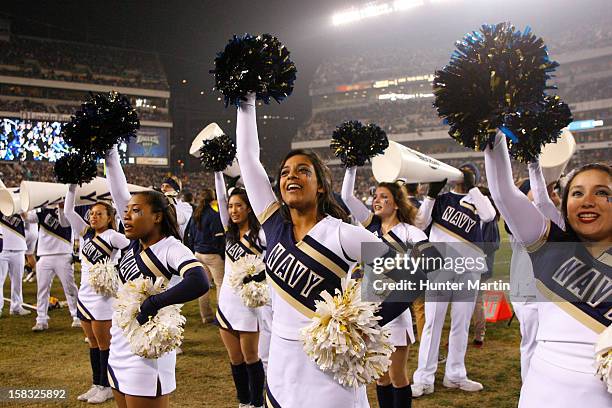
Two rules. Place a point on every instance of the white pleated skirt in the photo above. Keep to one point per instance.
(294, 381)
(402, 332)
(138, 376)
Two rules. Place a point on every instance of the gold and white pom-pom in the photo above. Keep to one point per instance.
(253, 294)
(104, 279)
(603, 357)
(345, 338)
(162, 333)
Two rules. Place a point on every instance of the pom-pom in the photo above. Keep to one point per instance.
(104, 279)
(355, 144)
(493, 73)
(248, 279)
(250, 64)
(528, 130)
(218, 153)
(102, 121)
(603, 358)
(345, 339)
(74, 168)
(162, 333)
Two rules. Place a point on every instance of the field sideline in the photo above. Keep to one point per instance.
(58, 358)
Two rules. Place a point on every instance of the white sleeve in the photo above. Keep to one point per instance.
(351, 238)
(423, 217)
(253, 173)
(525, 221)
(221, 198)
(31, 217)
(118, 240)
(117, 184)
(541, 199)
(76, 222)
(415, 234)
(181, 259)
(63, 221)
(485, 209)
(357, 208)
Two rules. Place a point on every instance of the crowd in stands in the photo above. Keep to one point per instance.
(70, 108)
(80, 62)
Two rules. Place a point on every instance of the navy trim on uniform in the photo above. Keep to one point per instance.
(83, 313)
(223, 320)
(325, 251)
(396, 240)
(270, 400)
(112, 379)
(151, 256)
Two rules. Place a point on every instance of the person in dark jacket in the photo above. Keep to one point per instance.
(208, 238)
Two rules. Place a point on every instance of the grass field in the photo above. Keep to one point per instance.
(58, 358)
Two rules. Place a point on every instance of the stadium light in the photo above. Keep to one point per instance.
(373, 9)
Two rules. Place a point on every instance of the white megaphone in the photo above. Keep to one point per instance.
(399, 161)
(9, 201)
(36, 194)
(555, 156)
(97, 190)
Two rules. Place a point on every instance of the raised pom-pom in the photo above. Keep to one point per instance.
(345, 339)
(493, 73)
(250, 64)
(103, 121)
(217, 153)
(160, 334)
(531, 129)
(74, 168)
(355, 144)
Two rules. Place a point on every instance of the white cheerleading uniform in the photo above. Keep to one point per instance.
(93, 249)
(167, 258)
(454, 218)
(232, 314)
(55, 258)
(12, 258)
(31, 236)
(298, 272)
(522, 282)
(573, 293)
(400, 238)
(129, 373)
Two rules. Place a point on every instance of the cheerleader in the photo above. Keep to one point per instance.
(522, 289)
(466, 203)
(54, 258)
(391, 221)
(155, 250)
(565, 263)
(309, 250)
(239, 323)
(12, 260)
(98, 242)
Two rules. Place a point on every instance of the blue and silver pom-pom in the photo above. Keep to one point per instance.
(218, 153)
(355, 143)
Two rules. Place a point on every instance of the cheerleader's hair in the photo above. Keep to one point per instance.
(112, 214)
(233, 231)
(406, 212)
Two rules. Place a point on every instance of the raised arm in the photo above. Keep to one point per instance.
(75, 220)
(485, 209)
(357, 208)
(221, 198)
(541, 199)
(423, 217)
(525, 221)
(117, 184)
(253, 173)
(63, 221)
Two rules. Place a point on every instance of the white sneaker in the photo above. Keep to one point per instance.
(20, 312)
(89, 393)
(465, 384)
(102, 394)
(421, 389)
(76, 322)
(40, 327)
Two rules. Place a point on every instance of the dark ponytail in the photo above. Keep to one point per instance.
(233, 231)
(160, 203)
